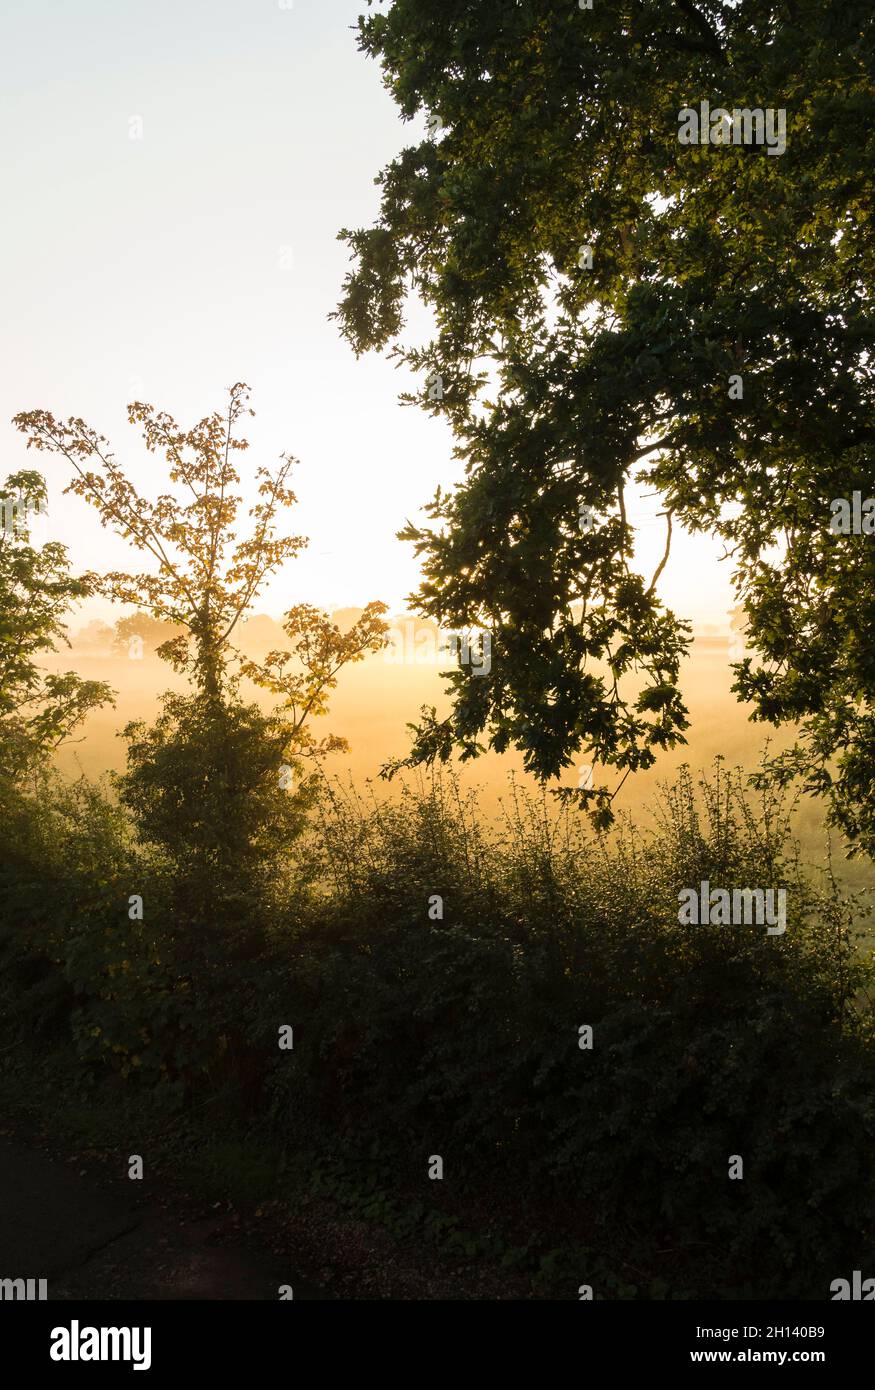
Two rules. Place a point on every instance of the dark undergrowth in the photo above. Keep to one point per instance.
(519, 1006)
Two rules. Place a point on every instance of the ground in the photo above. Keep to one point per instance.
(93, 1240)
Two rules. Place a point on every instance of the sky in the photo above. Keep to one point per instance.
(174, 179)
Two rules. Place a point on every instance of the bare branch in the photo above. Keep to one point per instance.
(664, 561)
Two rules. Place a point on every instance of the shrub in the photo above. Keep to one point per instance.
(460, 1036)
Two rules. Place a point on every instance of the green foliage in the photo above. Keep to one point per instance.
(563, 385)
(149, 1000)
(208, 782)
(38, 708)
(69, 867)
(204, 577)
(209, 785)
(709, 1041)
(460, 1036)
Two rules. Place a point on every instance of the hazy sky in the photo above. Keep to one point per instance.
(166, 268)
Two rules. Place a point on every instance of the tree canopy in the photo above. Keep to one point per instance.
(612, 305)
(202, 578)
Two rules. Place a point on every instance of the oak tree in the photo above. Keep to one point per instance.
(613, 306)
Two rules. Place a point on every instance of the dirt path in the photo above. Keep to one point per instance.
(95, 1242)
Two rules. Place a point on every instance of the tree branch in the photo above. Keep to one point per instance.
(709, 38)
(664, 561)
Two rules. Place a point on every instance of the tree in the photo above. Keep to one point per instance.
(95, 635)
(614, 305)
(207, 781)
(39, 709)
(200, 582)
(142, 633)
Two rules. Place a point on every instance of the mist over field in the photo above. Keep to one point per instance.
(375, 700)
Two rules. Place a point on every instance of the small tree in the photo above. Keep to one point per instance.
(204, 781)
(199, 581)
(38, 708)
(149, 632)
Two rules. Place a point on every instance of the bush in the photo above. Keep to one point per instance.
(155, 999)
(205, 786)
(459, 1036)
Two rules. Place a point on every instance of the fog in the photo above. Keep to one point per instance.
(377, 698)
